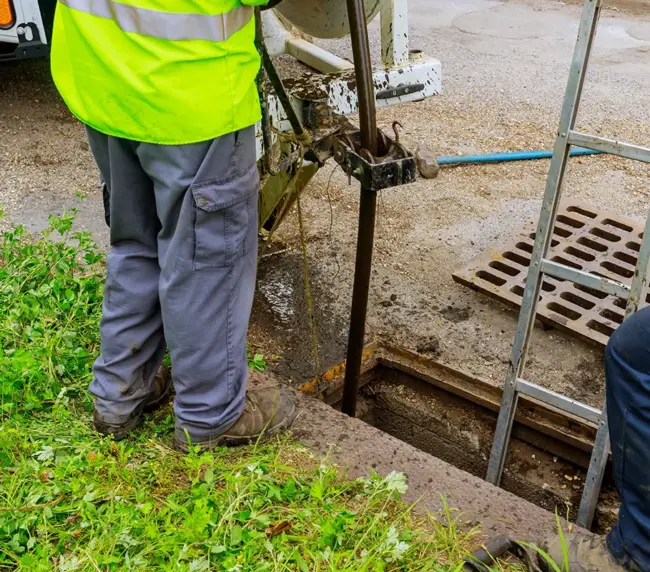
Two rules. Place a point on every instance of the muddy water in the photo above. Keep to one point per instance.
(280, 320)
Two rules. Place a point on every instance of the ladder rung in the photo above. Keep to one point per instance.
(610, 146)
(585, 279)
(559, 401)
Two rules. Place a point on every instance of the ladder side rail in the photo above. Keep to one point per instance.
(526, 322)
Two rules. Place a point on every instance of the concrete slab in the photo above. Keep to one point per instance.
(359, 448)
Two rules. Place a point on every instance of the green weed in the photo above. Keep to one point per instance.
(50, 306)
(256, 361)
(71, 500)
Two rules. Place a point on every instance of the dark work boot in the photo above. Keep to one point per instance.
(267, 412)
(160, 396)
(585, 553)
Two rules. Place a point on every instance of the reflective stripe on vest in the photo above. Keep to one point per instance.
(166, 25)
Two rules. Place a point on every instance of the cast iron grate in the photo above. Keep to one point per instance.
(584, 238)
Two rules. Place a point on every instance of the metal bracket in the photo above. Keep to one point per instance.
(382, 173)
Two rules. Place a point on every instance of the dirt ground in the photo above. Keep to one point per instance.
(505, 68)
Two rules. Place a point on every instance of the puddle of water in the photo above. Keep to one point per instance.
(277, 289)
(280, 315)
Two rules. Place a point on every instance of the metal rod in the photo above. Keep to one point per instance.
(363, 75)
(363, 267)
(264, 103)
(367, 206)
(280, 91)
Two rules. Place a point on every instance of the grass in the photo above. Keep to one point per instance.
(70, 500)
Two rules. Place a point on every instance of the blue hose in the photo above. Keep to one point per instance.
(516, 156)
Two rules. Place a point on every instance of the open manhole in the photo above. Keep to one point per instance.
(584, 238)
(452, 415)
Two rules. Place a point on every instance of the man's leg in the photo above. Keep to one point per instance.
(162, 380)
(627, 368)
(627, 362)
(206, 196)
(131, 330)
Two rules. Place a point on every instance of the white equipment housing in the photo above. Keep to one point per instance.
(406, 74)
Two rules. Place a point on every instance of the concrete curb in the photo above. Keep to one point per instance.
(358, 447)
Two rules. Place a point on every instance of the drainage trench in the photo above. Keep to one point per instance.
(548, 454)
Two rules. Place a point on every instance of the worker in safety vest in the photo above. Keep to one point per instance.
(627, 546)
(166, 89)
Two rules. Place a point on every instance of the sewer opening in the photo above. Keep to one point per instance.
(456, 424)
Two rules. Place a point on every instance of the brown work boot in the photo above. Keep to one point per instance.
(267, 412)
(160, 396)
(585, 553)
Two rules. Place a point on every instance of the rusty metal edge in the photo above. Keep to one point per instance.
(545, 317)
(466, 275)
(535, 415)
(332, 380)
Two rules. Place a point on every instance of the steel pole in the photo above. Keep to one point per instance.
(367, 206)
(363, 75)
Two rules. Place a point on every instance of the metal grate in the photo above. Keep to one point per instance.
(584, 238)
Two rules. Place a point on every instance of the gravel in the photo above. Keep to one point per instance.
(505, 68)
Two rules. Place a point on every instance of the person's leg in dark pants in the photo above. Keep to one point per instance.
(627, 368)
(162, 379)
(206, 199)
(132, 338)
(627, 363)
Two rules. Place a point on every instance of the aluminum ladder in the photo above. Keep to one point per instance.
(540, 266)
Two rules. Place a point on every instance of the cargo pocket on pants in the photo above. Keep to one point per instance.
(224, 210)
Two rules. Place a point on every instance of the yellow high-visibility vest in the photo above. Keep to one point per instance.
(158, 71)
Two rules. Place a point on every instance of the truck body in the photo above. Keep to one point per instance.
(25, 28)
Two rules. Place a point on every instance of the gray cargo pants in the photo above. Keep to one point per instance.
(180, 274)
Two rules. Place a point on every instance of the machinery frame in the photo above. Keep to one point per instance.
(405, 75)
